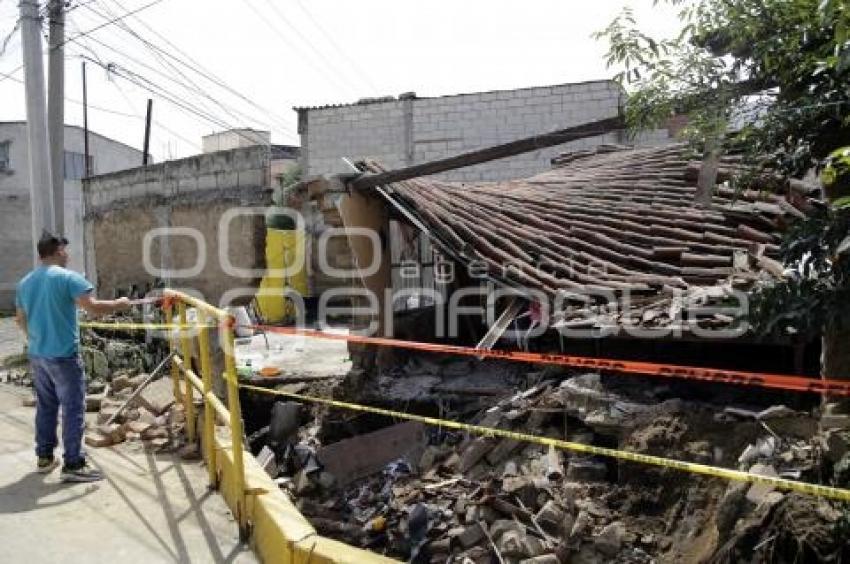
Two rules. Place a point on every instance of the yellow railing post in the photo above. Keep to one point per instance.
(209, 412)
(235, 410)
(186, 352)
(172, 346)
(282, 534)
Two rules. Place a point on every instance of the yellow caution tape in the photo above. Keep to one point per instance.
(693, 468)
(139, 326)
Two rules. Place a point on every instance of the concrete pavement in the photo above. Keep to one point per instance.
(150, 508)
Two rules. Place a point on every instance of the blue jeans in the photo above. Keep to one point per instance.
(59, 382)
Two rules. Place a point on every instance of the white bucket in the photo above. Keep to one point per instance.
(243, 320)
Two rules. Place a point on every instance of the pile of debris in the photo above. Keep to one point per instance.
(426, 494)
(133, 408)
(104, 353)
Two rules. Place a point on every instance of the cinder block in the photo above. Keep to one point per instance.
(187, 184)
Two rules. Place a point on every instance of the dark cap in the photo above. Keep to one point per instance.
(49, 243)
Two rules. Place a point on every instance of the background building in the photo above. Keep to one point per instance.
(15, 217)
(410, 130)
(234, 139)
(193, 193)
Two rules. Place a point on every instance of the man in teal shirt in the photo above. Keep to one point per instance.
(47, 300)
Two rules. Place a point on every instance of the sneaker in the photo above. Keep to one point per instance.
(46, 464)
(81, 472)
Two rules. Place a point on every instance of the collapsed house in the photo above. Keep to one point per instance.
(608, 245)
(609, 253)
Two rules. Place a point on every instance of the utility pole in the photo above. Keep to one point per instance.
(41, 200)
(85, 124)
(147, 144)
(56, 108)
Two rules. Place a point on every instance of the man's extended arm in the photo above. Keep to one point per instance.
(101, 307)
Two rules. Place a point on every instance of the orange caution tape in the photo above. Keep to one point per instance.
(764, 380)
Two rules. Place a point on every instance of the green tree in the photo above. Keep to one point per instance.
(769, 78)
(786, 63)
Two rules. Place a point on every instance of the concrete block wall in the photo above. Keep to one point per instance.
(191, 193)
(406, 131)
(374, 130)
(417, 130)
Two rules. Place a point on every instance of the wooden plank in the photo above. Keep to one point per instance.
(487, 154)
(501, 324)
(351, 459)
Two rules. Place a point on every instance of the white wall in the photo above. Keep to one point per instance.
(234, 139)
(15, 218)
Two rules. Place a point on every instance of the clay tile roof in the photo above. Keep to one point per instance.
(613, 218)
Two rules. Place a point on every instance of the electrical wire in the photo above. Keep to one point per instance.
(193, 89)
(9, 37)
(155, 89)
(157, 123)
(116, 20)
(139, 80)
(11, 74)
(138, 116)
(188, 62)
(160, 92)
(204, 112)
(72, 100)
(329, 76)
(152, 69)
(181, 81)
(363, 75)
(331, 66)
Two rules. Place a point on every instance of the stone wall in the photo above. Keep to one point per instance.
(194, 195)
(407, 131)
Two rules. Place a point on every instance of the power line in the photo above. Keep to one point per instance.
(192, 87)
(68, 99)
(306, 40)
(330, 77)
(196, 67)
(11, 73)
(9, 36)
(164, 75)
(157, 90)
(195, 89)
(157, 123)
(142, 82)
(106, 23)
(360, 72)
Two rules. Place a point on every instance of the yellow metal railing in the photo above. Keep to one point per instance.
(182, 367)
(266, 516)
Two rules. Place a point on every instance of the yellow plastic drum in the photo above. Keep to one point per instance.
(285, 254)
